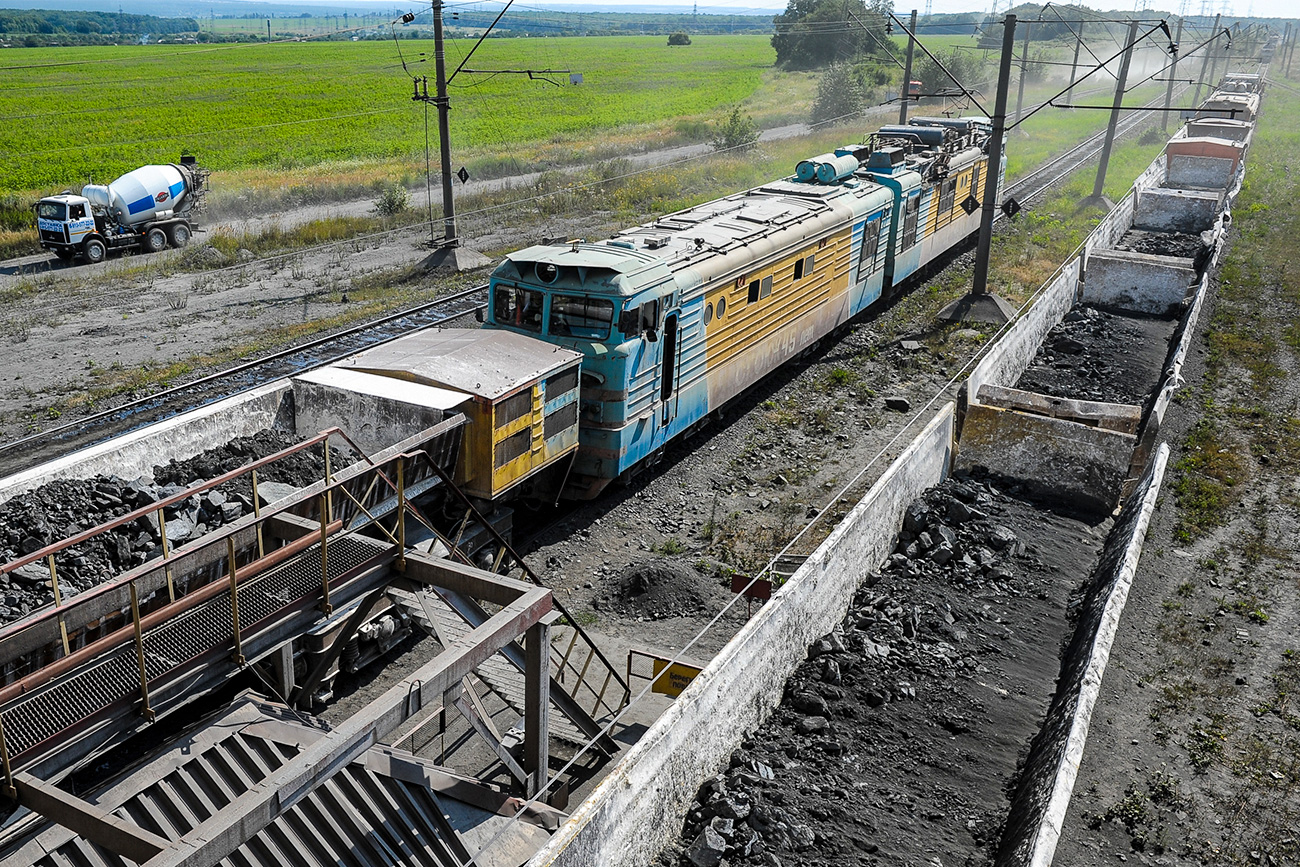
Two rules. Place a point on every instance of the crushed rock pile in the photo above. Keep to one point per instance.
(893, 742)
(1093, 354)
(62, 509)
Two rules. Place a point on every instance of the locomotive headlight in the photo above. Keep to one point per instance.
(547, 272)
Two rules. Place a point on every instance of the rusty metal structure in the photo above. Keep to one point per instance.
(283, 592)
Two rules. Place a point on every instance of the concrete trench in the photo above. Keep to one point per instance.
(698, 791)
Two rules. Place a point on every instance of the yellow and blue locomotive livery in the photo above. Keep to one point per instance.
(675, 317)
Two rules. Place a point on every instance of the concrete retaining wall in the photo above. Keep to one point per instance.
(1143, 283)
(1043, 791)
(135, 454)
(1163, 210)
(640, 806)
(1006, 360)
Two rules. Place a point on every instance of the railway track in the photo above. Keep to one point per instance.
(98, 427)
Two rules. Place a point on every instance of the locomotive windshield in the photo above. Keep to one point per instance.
(580, 316)
(522, 308)
(52, 211)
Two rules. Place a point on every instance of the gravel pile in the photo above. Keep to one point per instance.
(62, 509)
(897, 738)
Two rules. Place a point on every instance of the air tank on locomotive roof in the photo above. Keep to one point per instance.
(148, 193)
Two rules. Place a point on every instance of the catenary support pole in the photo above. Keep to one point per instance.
(444, 129)
(1024, 72)
(1172, 73)
(981, 305)
(905, 96)
(1099, 185)
(1074, 67)
(1205, 63)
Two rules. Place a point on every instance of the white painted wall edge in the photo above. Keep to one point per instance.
(1049, 832)
(135, 453)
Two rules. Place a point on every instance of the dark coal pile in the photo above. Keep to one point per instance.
(62, 509)
(1097, 355)
(660, 589)
(897, 739)
(1180, 244)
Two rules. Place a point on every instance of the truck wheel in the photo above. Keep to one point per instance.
(94, 251)
(155, 240)
(179, 234)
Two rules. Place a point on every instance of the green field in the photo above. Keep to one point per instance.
(86, 113)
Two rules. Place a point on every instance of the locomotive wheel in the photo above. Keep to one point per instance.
(155, 240)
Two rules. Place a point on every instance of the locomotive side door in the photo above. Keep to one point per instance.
(668, 365)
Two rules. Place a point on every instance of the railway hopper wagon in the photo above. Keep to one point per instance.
(675, 317)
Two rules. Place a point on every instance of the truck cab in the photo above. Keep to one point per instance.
(64, 223)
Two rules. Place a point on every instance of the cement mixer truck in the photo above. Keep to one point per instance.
(148, 208)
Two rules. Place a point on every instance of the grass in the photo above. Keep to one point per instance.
(294, 105)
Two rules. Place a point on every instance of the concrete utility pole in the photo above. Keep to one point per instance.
(1172, 73)
(1213, 80)
(981, 305)
(907, 72)
(1024, 71)
(449, 238)
(1074, 67)
(1097, 196)
(1205, 62)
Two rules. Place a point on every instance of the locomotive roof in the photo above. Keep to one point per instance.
(482, 362)
(682, 239)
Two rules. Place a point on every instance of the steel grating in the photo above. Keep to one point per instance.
(362, 815)
(32, 719)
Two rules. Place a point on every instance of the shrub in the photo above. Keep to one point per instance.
(679, 38)
(393, 200)
(840, 94)
(738, 131)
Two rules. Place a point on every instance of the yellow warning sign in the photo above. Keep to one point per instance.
(679, 677)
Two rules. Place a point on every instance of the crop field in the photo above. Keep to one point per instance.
(75, 114)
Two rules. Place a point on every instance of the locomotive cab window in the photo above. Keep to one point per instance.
(580, 316)
(521, 308)
(870, 245)
(911, 212)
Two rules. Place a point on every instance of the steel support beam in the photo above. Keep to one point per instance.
(245, 817)
(537, 703)
(87, 820)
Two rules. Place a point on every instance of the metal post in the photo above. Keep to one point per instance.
(537, 686)
(139, 654)
(238, 656)
(1172, 73)
(980, 304)
(1074, 67)
(401, 514)
(257, 517)
(329, 480)
(1100, 185)
(444, 129)
(1024, 71)
(324, 561)
(907, 73)
(10, 791)
(166, 554)
(58, 604)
